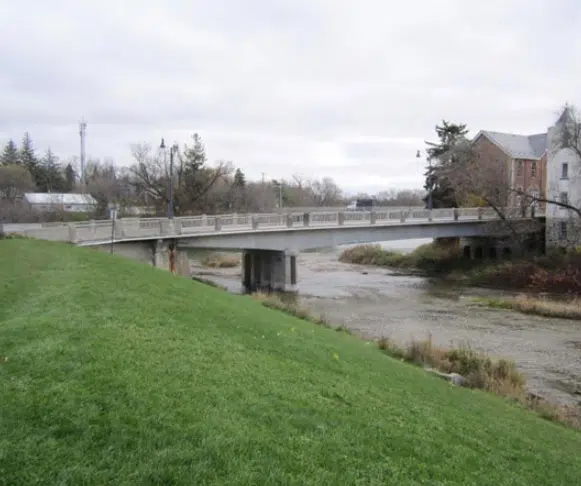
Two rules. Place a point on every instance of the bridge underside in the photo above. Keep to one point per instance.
(269, 261)
(298, 240)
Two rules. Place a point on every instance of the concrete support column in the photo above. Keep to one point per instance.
(182, 262)
(161, 254)
(269, 270)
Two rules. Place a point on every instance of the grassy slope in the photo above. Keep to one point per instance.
(118, 373)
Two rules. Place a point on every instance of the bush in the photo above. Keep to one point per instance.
(431, 257)
(500, 376)
(568, 309)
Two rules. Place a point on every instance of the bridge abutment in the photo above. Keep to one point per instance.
(269, 270)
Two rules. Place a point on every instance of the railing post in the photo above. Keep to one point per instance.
(177, 226)
(217, 223)
(456, 214)
(341, 218)
(533, 212)
(402, 216)
(479, 211)
(372, 217)
(289, 220)
(430, 217)
(254, 220)
(161, 227)
(306, 218)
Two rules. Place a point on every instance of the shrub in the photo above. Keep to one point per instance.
(500, 376)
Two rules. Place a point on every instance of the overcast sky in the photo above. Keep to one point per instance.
(342, 88)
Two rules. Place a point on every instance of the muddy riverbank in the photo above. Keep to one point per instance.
(376, 302)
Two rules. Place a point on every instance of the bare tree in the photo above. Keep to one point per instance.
(325, 192)
(191, 178)
(402, 198)
(15, 180)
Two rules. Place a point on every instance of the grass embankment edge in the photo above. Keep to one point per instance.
(499, 376)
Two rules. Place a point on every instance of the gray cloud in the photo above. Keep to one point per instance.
(316, 87)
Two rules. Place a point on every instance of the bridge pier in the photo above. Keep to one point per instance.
(269, 270)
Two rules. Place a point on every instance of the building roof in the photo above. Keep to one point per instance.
(60, 199)
(518, 146)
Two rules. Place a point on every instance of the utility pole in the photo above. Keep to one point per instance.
(82, 133)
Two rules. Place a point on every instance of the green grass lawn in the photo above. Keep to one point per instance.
(113, 372)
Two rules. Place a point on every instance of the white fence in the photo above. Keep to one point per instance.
(136, 228)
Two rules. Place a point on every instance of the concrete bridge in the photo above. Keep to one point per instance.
(270, 243)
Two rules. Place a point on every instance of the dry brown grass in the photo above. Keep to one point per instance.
(541, 307)
(221, 260)
(500, 377)
(293, 308)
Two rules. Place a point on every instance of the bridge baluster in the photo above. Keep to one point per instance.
(341, 218)
(306, 218)
(217, 223)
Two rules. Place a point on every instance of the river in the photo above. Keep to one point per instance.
(376, 302)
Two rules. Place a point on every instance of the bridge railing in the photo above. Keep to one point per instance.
(135, 228)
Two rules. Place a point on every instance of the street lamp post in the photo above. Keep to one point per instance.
(280, 195)
(172, 151)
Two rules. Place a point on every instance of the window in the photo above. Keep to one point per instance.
(534, 169)
(519, 168)
(565, 170)
(563, 230)
(564, 198)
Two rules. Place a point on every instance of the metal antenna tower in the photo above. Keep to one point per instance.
(82, 133)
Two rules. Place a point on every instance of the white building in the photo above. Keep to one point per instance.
(70, 203)
(564, 185)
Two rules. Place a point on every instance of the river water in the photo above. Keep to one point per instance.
(376, 302)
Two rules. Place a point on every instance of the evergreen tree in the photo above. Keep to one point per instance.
(10, 154)
(28, 158)
(239, 178)
(27, 155)
(194, 157)
(442, 156)
(49, 177)
(70, 178)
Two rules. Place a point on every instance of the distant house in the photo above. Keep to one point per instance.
(70, 203)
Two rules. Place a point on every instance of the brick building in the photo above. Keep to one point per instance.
(525, 156)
